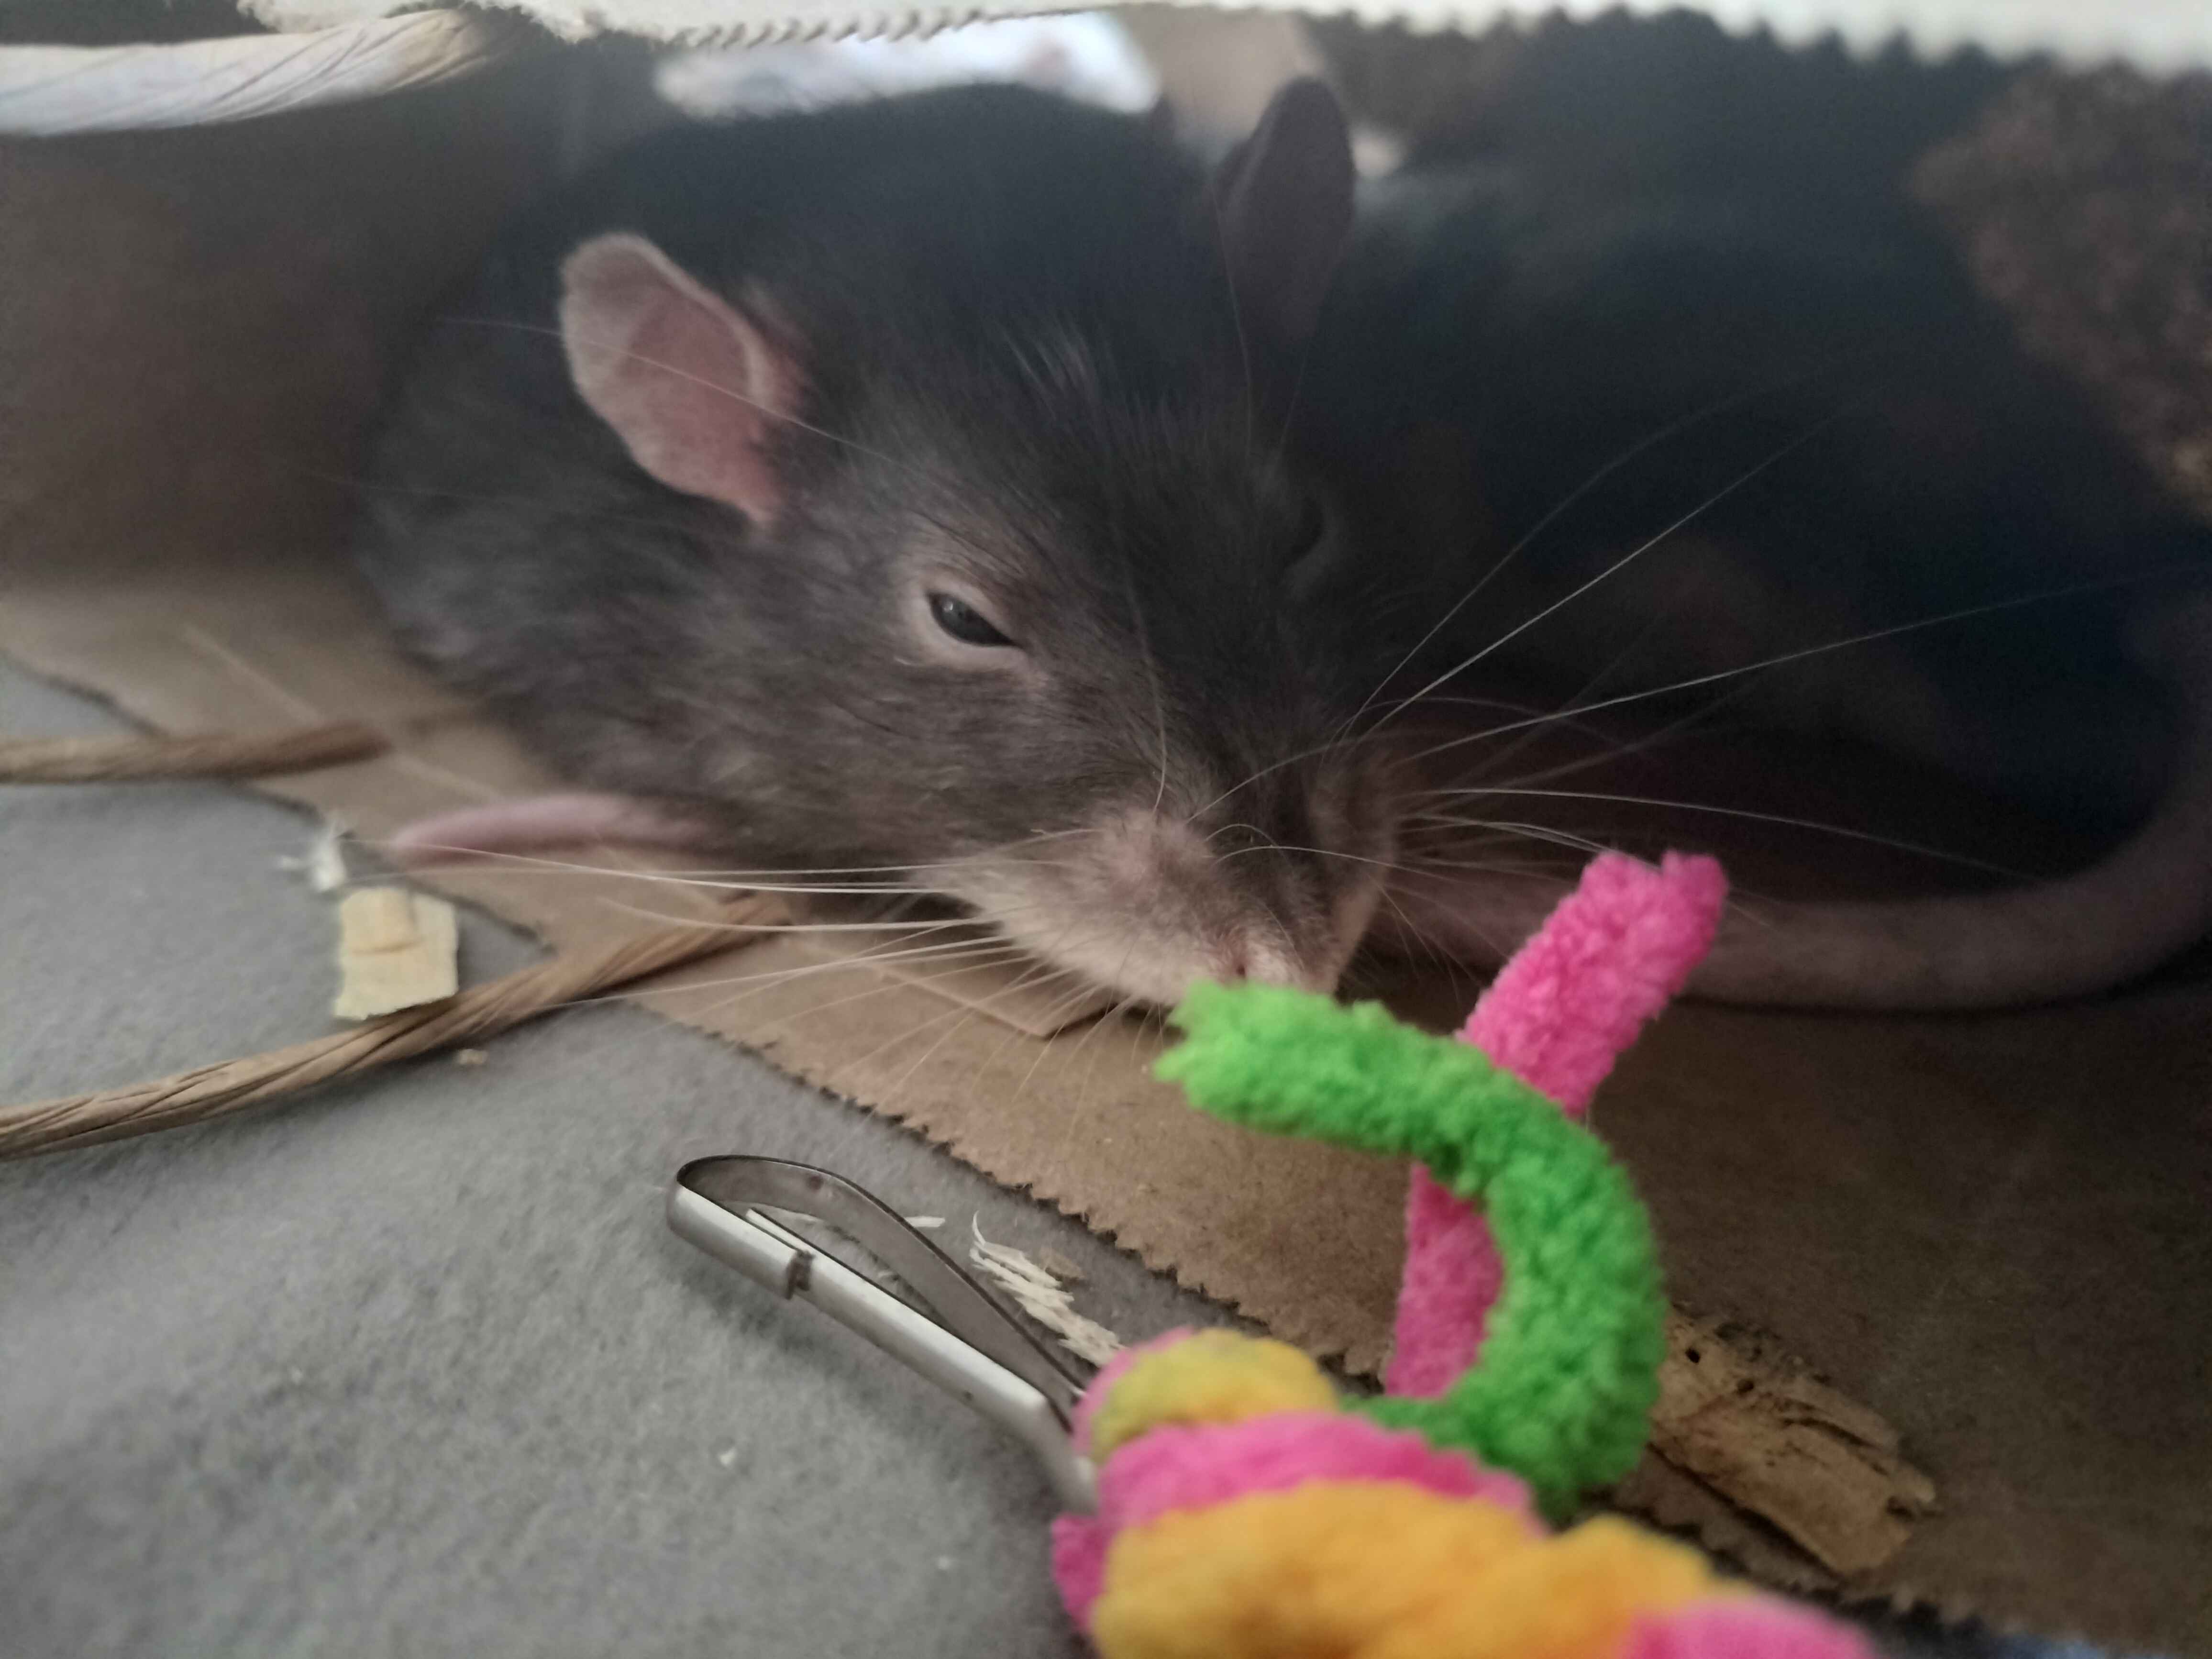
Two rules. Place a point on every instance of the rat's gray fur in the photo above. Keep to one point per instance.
(1022, 361)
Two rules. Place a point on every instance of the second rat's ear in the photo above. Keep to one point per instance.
(693, 388)
(1283, 202)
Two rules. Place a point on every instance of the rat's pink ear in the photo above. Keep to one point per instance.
(693, 388)
(1283, 202)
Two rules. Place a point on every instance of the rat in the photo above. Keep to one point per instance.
(1652, 385)
(899, 493)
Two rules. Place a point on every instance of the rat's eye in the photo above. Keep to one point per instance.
(963, 622)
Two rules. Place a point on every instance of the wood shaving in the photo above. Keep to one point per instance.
(1762, 1432)
(326, 858)
(1042, 1296)
(324, 863)
(397, 950)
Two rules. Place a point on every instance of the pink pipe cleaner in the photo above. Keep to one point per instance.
(1749, 1628)
(1615, 951)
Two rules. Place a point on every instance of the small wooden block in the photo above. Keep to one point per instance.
(395, 950)
(1759, 1428)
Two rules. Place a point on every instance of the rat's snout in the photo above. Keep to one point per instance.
(1149, 900)
(1248, 953)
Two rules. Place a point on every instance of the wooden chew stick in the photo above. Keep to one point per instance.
(219, 755)
(231, 1086)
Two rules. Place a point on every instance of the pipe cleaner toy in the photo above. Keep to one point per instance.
(1225, 1502)
(1245, 1512)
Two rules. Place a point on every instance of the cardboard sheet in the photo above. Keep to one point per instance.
(1992, 1231)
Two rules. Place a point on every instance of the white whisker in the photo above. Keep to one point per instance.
(1720, 675)
(1777, 818)
(1671, 430)
(1631, 557)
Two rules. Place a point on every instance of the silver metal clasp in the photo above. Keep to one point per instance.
(953, 1333)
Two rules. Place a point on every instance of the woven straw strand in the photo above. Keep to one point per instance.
(223, 754)
(209, 1091)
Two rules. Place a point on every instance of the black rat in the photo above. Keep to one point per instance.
(1659, 277)
(904, 492)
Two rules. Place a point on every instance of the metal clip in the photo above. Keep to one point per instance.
(962, 1339)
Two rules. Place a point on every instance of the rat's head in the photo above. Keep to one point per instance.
(1026, 595)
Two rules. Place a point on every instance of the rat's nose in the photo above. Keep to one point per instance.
(1245, 957)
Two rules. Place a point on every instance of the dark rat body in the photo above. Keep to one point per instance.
(1549, 346)
(898, 489)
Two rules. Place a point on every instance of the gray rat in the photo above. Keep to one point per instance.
(900, 490)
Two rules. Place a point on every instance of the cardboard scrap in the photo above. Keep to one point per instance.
(1762, 1432)
(395, 950)
(1990, 1230)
